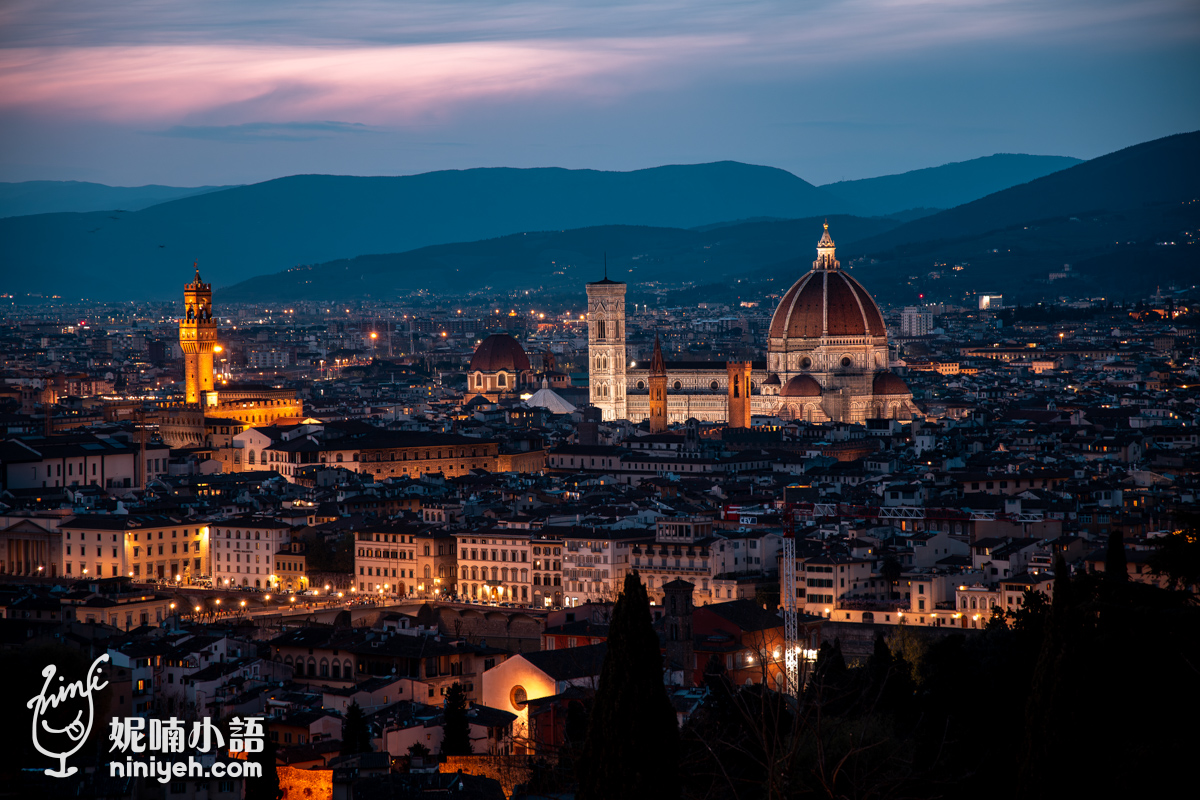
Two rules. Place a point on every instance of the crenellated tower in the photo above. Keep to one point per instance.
(606, 347)
(657, 382)
(197, 338)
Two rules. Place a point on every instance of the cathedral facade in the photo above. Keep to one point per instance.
(826, 360)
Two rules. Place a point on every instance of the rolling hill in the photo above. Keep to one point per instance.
(49, 197)
(1138, 207)
(264, 228)
(946, 186)
(562, 261)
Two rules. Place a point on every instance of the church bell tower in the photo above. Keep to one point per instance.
(197, 338)
(658, 390)
(606, 347)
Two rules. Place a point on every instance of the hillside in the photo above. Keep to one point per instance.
(946, 186)
(1138, 207)
(563, 261)
(51, 197)
(264, 228)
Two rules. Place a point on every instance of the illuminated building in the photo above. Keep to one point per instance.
(185, 424)
(499, 368)
(827, 359)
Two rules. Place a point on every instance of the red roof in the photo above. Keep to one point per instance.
(499, 352)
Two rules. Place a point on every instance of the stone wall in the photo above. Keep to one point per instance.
(858, 639)
(305, 784)
(510, 629)
(508, 770)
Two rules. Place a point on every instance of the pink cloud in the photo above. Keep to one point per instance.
(376, 85)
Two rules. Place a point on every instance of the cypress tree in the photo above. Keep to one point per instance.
(356, 737)
(1114, 560)
(632, 746)
(266, 786)
(457, 738)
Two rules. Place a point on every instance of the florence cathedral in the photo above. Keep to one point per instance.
(827, 360)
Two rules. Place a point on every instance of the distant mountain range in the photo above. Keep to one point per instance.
(1112, 219)
(49, 197)
(246, 231)
(1126, 222)
(549, 262)
(946, 186)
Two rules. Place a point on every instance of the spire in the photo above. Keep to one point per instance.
(658, 365)
(196, 264)
(825, 252)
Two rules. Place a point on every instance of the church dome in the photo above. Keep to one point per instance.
(826, 302)
(499, 352)
(888, 383)
(802, 386)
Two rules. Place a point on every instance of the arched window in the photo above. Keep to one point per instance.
(312, 667)
(337, 669)
(428, 574)
(339, 458)
(347, 670)
(324, 668)
(250, 458)
(502, 379)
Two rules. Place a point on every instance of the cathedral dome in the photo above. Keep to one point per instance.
(802, 386)
(826, 302)
(499, 352)
(888, 383)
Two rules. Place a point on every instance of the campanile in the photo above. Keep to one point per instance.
(197, 338)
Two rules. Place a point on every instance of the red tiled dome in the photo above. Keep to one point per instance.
(888, 383)
(826, 302)
(499, 352)
(802, 386)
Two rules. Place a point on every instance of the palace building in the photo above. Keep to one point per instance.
(826, 360)
(205, 408)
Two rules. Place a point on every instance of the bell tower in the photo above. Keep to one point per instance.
(658, 390)
(606, 347)
(197, 338)
(738, 413)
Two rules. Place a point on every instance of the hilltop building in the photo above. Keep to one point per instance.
(827, 360)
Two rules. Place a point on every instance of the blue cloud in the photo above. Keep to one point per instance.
(267, 131)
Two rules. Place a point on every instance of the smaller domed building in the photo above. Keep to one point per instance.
(499, 368)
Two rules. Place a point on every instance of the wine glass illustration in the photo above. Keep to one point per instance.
(71, 696)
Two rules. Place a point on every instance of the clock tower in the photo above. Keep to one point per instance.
(197, 338)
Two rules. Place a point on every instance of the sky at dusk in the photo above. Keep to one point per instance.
(237, 91)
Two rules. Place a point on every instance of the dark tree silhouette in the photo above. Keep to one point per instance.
(457, 739)
(356, 736)
(632, 746)
(267, 786)
(1115, 569)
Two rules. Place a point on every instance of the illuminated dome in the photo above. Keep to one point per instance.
(802, 386)
(888, 383)
(826, 302)
(499, 352)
